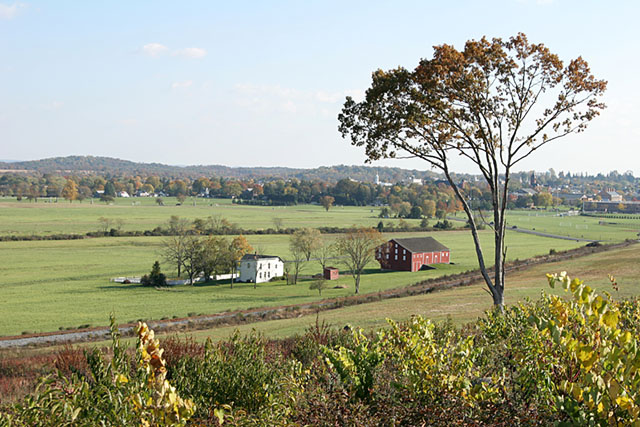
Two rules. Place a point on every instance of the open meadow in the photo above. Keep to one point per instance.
(586, 227)
(461, 305)
(139, 214)
(51, 285)
(142, 213)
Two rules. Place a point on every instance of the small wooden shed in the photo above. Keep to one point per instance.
(330, 273)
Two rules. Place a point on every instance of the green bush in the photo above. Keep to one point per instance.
(237, 373)
(155, 278)
(112, 393)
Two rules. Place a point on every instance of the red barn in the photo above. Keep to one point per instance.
(411, 254)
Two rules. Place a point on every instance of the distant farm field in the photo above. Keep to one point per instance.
(43, 217)
(139, 214)
(48, 285)
(587, 227)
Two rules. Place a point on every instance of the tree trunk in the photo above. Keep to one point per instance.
(357, 277)
(474, 233)
(498, 299)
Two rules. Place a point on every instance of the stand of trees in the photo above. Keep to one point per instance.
(208, 256)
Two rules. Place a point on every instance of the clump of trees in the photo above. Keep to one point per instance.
(208, 256)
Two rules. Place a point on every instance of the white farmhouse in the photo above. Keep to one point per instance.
(260, 268)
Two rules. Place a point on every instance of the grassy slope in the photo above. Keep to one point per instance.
(463, 304)
(50, 284)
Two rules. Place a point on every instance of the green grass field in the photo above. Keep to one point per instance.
(607, 229)
(461, 304)
(47, 285)
(24, 218)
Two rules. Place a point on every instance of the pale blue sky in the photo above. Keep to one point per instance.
(261, 83)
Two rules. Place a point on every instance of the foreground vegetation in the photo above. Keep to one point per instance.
(556, 360)
(72, 287)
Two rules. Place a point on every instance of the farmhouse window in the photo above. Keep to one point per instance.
(404, 258)
(396, 257)
(269, 265)
(404, 251)
(387, 256)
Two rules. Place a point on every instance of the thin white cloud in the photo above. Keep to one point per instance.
(154, 49)
(191, 52)
(53, 105)
(158, 49)
(9, 11)
(181, 85)
(266, 98)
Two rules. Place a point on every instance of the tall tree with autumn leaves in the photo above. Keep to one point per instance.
(494, 103)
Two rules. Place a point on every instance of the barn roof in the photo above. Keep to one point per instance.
(421, 244)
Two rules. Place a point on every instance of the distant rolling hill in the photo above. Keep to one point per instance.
(113, 166)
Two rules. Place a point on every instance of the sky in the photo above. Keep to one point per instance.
(260, 83)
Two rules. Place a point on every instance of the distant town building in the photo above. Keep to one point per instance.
(532, 180)
(523, 192)
(384, 184)
(611, 207)
(610, 195)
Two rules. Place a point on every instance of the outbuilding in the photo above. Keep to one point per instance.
(330, 273)
(260, 268)
(411, 254)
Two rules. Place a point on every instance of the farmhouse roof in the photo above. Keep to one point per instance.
(421, 244)
(255, 257)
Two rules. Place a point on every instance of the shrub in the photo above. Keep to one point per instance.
(111, 393)
(155, 278)
(319, 285)
(237, 373)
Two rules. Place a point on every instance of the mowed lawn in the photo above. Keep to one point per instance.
(25, 218)
(464, 304)
(47, 285)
